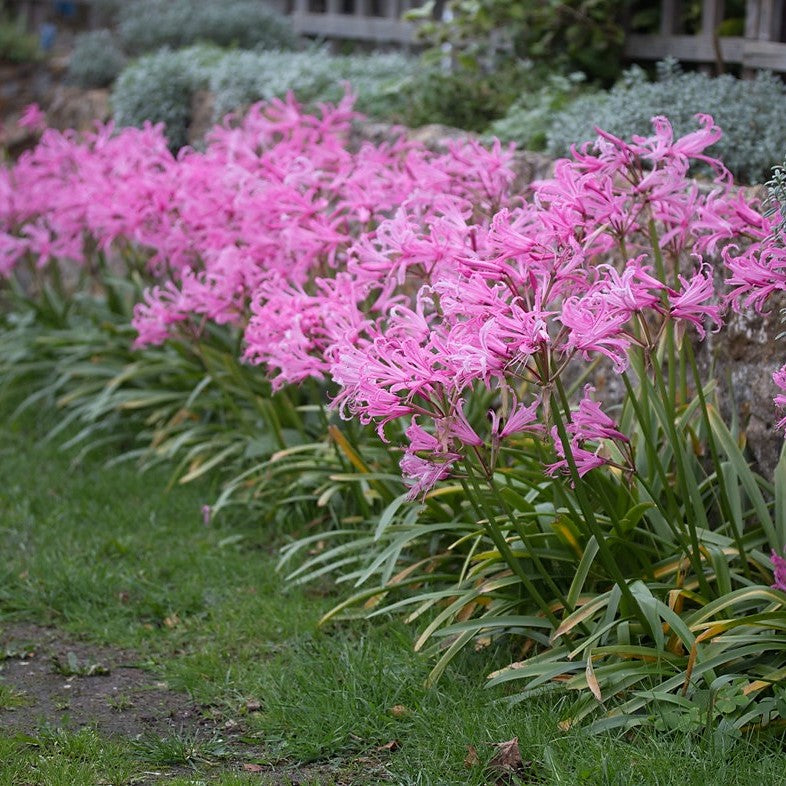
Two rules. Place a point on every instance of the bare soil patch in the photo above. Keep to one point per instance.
(71, 684)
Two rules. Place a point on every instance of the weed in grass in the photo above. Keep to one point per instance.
(187, 748)
(71, 667)
(11, 699)
(18, 652)
(120, 703)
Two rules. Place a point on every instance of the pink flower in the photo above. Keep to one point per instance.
(456, 426)
(420, 440)
(635, 289)
(596, 324)
(590, 422)
(756, 273)
(779, 378)
(32, 117)
(585, 460)
(521, 418)
(694, 302)
(422, 475)
(779, 571)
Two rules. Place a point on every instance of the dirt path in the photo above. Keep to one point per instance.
(69, 684)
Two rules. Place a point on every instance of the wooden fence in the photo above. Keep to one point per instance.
(376, 21)
(761, 46)
(380, 21)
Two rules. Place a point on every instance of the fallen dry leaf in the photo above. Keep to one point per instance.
(592, 680)
(507, 757)
(482, 642)
(389, 747)
(318, 548)
(399, 711)
(506, 767)
(172, 621)
(471, 759)
(253, 768)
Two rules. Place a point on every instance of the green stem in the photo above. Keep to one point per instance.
(670, 346)
(690, 509)
(649, 443)
(504, 549)
(589, 517)
(525, 539)
(725, 505)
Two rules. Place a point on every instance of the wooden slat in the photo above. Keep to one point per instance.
(353, 27)
(690, 48)
(767, 21)
(711, 15)
(764, 54)
(670, 16)
(752, 16)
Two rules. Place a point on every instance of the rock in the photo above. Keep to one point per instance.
(744, 355)
(529, 167)
(203, 110)
(436, 137)
(79, 109)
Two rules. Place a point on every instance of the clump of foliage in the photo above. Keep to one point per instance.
(465, 97)
(531, 116)
(159, 88)
(151, 24)
(16, 44)
(96, 60)
(380, 81)
(242, 78)
(748, 111)
(565, 35)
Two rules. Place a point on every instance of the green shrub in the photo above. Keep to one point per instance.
(380, 82)
(530, 117)
(564, 35)
(16, 45)
(241, 78)
(465, 97)
(147, 25)
(750, 113)
(159, 88)
(96, 61)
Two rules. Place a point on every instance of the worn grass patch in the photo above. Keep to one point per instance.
(136, 579)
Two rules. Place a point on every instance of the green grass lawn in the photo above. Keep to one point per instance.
(107, 557)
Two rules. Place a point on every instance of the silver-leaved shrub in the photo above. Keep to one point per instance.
(749, 111)
(160, 87)
(147, 25)
(97, 59)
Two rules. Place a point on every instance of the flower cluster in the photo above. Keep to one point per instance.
(603, 259)
(407, 278)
